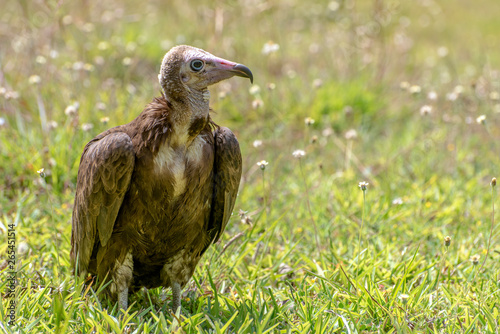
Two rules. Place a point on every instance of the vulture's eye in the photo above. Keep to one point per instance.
(197, 65)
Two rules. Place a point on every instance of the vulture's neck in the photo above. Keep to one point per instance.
(190, 116)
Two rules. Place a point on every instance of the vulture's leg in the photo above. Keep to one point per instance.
(123, 298)
(176, 296)
(122, 278)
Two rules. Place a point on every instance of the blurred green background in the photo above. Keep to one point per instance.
(404, 95)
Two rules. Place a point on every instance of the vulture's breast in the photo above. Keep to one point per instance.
(179, 162)
(174, 204)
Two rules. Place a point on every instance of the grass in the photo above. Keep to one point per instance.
(362, 70)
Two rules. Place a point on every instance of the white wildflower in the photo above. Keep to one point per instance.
(495, 96)
(397, 201)
(452, 96)
(415, 89)
(333, 6)
(53, 54)
(262, 164)
(87, 127)
(442, 51)
(127, 61)
(257, 103)
(257, 143)
(52, 124)
(71, 110)
(459, 89)
(41, 172)
(317, 83)
(481, 119)
(88, 27)
(131, 46)
(327, 132)
(11, 94)
(404, 85)
(77, 66)
(99, 60)
(363, 185)
(131, 89)
(425, 110)
(254, 90)
(298, 154)
(103, 45)
(270, 47)
(100, 105)
(432, 95)
(351, 134)
(291, 73)
(23, 248)
(34, 79)
(40, 59)
(404, 298)
(67, 20)
(309, 121)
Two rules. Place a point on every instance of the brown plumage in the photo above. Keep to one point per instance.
(153, 194)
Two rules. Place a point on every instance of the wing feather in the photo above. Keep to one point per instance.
(104, 176)
(227, 175)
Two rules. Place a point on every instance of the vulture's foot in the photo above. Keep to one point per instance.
(123, 299)
(176, 296)
(122, 277)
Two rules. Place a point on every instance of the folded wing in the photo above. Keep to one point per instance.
(227, 175)
(104, 176)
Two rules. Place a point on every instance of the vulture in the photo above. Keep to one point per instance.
(153, 194)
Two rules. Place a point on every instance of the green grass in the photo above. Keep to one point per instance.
(382, 271)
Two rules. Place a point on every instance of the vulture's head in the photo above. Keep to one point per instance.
(186, 69)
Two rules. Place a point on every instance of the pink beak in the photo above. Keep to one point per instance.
(237, 69)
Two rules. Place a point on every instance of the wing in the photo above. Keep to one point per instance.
(227, 175)
(103, 179)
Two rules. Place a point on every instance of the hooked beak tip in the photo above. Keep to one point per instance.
(243, 71)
